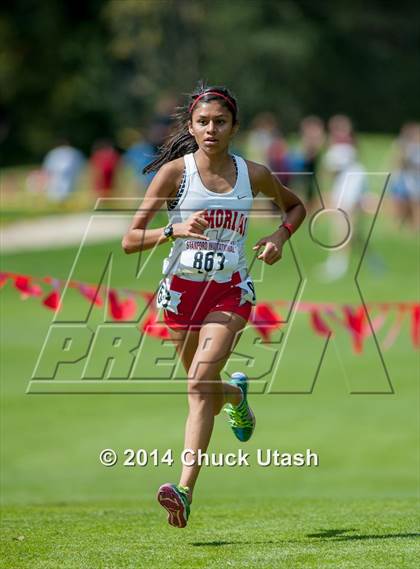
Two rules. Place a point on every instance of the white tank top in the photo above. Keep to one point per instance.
(227, 214)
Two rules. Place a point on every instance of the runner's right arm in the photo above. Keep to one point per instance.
(162, 187)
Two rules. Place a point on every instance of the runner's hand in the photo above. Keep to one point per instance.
(194, 226)
(273, 245)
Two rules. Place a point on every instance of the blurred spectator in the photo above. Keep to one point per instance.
(278, 159)
(144, 151)
(307, 159)
(405, 186)
(340, 130)
(349, 185)
(260, 137)
(265, 144)
(349, 176)
(63, 165)
(138, 156)
(104, 161)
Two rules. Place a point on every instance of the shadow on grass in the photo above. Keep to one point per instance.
(239, 542)
(327, 535)
(330, 532)
(213, 543)
(337, 535)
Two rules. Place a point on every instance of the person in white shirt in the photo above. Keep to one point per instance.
(63, 165)
(348, 187)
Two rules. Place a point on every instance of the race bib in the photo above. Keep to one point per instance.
(167, 298)
(200, 256)
(248, 291)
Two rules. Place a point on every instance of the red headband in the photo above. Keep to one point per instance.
(229, 102)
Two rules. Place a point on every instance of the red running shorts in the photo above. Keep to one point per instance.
(198, 299)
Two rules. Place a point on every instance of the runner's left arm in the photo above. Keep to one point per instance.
(291, 206)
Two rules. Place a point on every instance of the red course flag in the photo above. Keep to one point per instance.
(23, 284)
(121, 309)
(263, 317)
(355, 323)
(91, 293)
(265, 320)
(415, 325)
(52, 300)
(318, 324)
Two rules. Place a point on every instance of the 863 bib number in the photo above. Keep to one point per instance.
(209, 260)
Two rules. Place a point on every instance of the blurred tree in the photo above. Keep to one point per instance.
(55, 76)
(259, 49)
(86, 68)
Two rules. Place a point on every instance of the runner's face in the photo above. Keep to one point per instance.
(211, 126)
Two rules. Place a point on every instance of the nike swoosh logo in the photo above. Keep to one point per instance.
(240, 197)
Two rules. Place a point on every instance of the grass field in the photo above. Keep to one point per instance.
(357, 509)
(265, 532)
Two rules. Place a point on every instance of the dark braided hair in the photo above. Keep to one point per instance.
(180, 141)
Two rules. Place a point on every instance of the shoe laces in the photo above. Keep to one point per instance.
(239, 417)
(185, 491)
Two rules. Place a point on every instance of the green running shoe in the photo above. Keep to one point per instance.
(241, 417)
(174, 498)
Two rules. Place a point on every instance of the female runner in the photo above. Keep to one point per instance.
(206, 293)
